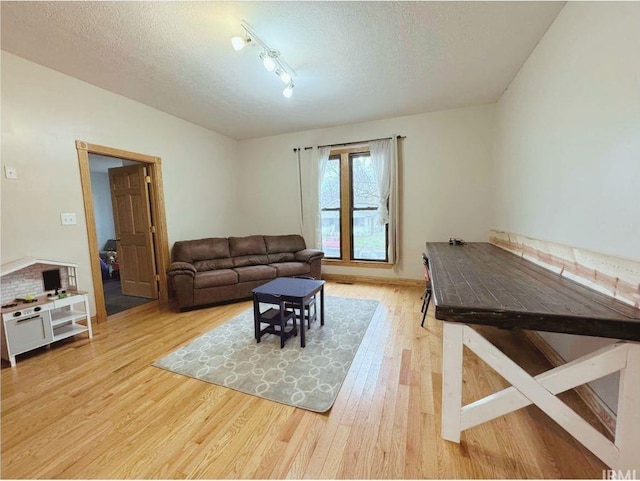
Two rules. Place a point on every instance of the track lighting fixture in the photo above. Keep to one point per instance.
(271, 58)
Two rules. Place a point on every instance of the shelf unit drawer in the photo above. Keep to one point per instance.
(28, 333)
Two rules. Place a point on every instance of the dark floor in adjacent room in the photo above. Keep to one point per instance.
(116, 301)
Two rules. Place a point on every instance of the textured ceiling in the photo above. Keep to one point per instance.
(355, 61)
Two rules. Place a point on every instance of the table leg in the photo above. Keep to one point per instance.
(322, 306)
(301, 306)
(452, 381)
(256, 324)
(628, 417)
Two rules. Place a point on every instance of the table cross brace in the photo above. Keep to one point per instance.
(541, 391)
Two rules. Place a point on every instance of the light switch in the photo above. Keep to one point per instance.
(10, 172)
(68, 218)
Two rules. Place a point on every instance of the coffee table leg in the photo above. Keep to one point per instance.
(322, 306)
(256, 324)
(301, 305)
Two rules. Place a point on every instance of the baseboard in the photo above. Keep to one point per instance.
(350, 279)
(599, 409)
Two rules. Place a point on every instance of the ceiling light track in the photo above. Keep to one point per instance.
(271, 58)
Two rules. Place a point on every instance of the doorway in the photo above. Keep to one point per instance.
(117, 209)
(119, 257)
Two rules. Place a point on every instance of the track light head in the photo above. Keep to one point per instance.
(267, 60)
(240, 42)
(288, 90)
(284, 75)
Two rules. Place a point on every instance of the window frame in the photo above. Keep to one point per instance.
(338, 209)
(346, 218)
(352, 209)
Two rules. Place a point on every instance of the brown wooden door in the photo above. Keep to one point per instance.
(132, 220)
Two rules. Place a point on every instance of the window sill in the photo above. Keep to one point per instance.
(369, 264)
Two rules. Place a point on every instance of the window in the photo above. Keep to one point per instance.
(349, 203)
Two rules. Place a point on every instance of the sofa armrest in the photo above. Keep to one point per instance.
(309, 255)
(181, 268)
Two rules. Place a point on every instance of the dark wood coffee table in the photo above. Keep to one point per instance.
(294, 290)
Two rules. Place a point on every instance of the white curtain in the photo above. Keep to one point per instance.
(381, 155)
(384, 157)
(312, 164)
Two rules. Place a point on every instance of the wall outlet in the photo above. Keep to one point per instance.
(68, 218)
(10, 172)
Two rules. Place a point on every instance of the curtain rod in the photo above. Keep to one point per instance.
(352, 143)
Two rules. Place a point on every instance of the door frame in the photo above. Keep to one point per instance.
(156, 197)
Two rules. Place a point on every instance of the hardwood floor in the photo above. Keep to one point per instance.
(99, 409)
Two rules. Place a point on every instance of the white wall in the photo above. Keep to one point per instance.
(445, 180)
(569, 133)
(44, 112)
(568, 143)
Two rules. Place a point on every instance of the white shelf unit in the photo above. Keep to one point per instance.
(57, 319)
(31, 321)
(65, 316)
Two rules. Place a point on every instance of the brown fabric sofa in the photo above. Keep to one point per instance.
(218, 269)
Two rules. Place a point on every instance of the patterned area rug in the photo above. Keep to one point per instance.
(308, 378)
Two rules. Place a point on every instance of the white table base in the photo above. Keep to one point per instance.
(623, 455)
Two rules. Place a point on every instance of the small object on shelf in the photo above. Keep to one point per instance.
(26, 300)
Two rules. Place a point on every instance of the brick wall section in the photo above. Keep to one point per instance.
(28, 281)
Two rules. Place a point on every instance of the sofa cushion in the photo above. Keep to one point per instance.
(255, 260)
(284, 243)
(192, 251)
(281, 257)
(221, 277)
(289, 269)
(211, 264)
(255, 273)
(250, 245)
